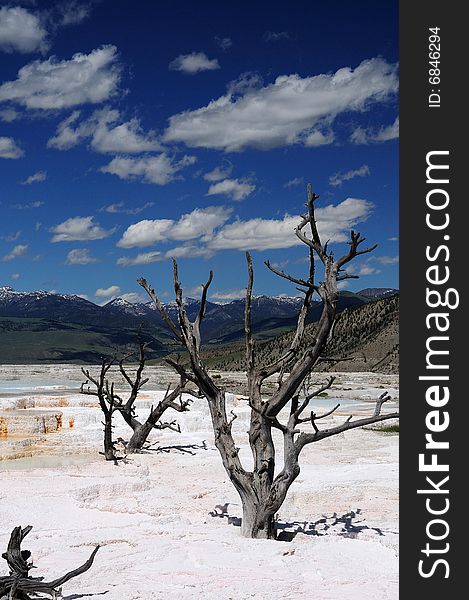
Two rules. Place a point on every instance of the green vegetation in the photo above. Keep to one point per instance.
(27, 341)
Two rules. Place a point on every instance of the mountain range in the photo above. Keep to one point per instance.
(45, 326)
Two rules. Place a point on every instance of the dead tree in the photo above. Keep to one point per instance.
(261, 490)
(18, 585)
(104, 394)
(112, 402)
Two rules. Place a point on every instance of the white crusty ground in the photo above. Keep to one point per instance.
(151, 515)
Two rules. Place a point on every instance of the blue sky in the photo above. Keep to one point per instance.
(131, 132)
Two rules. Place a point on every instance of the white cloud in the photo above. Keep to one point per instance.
(21, 31)
(72, 12)
(219, 173)
(17, 252)
(387, 260)
(15, 276)
(334, 223)
(8, 115)
(79, 256)
(224, 43)
(193, 63)
(145, 258)
(107, 135)
(294, 182)
(200, 222)
(367, 270)
(58, 84)
(393, 239)
(339, 178)
(9, 148)
(388, 133)
(35, 178)
(234, 188)
(112, 290)
(28, 205)
(12, 237)
(119, 207)
(286, 112)
(229, 295)
(189, 251)
(79, 229)
(160, 169)
(319, 138)
(133, 297)
(371, 136)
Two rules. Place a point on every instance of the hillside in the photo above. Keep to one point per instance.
(366, 335)
(33, 341)
(40, 326)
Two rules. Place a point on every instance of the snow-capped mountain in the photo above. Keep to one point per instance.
(377, 293)
(220, 319)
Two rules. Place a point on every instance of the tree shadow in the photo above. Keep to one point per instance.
(76, 596)
(348, 525)
(181, 448)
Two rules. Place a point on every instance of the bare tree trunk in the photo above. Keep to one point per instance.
(109, 452)
(139, 437)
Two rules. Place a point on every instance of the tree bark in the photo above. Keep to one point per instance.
(109, 452)
(139, 437)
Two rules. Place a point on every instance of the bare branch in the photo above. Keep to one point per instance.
(248, 319)
(160, 307)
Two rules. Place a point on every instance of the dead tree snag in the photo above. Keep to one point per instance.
(261, 490)
(19, 585)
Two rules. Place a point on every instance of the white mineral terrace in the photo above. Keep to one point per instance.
(154, 515)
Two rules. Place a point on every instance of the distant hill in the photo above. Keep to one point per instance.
(377, 293)
(367, 335)
(49, 327)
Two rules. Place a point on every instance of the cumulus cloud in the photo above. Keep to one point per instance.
(291, 110)
(17, 252)
(339, 178)
(8, 115)
(112, 290)
(319, 138)
(193, 63)
(145, 258)
(106, 134)
(79, 256)
(200, 222)
(35, 178)
(79, 229)
(9, 148)
(21, 31)
(334, 223)
(229, 295)
(234, 188)
(160, 169)
(59, 84)
(219, 173)
(373, 136)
